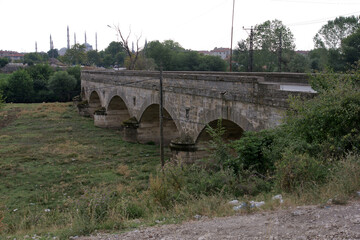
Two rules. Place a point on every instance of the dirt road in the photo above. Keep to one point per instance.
(308, 222)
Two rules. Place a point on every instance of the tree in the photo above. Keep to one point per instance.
(211, 63)
(160, 53)
(132, 54)
(33, 58)
(299, 63)
(331, 34)
(3, 62)
(75, 55)
(241, 57)
(351, 47)
(272, 35)
(75, 71)
(40, 74)
(20, 87)
(53, 53)
(273, 48)
(93, 58)
(62, 85)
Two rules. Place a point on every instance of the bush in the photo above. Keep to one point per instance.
(19, 88)
(297, 171)
(62, 85)
(328, 123)
(254, 152)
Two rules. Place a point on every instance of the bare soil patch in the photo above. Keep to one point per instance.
(305, 222)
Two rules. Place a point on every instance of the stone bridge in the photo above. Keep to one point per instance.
(129, 100)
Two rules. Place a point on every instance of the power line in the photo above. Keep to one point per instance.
(320, 20)
(318, 2)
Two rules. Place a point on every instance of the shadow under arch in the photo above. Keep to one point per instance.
(232, 132)
(116, 113)
(94, 102)
(149, 126)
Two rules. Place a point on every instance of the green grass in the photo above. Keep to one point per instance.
(50, 157)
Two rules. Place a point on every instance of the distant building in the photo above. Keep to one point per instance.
(62, 51)
(88, 47)
(13, 56)
(221, 52)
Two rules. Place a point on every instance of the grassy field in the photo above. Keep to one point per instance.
(55, 164)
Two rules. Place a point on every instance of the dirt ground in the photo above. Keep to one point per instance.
(306, 222)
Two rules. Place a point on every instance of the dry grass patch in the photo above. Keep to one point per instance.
(123, 170)
(69, 148)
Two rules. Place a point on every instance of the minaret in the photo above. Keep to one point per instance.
(51, 43)
(68, 38)
(36, 47)
(85, 39)
(132, 49)
(74, 38)
(96, 41)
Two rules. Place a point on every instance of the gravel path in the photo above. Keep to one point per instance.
(308, 222)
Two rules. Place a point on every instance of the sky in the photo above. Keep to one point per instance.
(194, 24)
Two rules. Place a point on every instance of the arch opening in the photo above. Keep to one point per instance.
(232, 132)
(94, 102)
(149, 126)
(117, 112)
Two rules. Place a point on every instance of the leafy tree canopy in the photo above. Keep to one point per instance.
(62, 84)
(351, 47)
(270, 35)
(20, 87)
(75, 55)
(3, 62)
(331, 34)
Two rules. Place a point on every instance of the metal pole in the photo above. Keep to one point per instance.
(161, 121)
(232, 30)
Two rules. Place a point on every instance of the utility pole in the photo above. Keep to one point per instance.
(232, 30)
(161, 117)
(280, 51)
(251, 50)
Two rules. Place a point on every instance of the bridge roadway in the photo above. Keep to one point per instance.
(129, 100)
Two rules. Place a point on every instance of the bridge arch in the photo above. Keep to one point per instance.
(232, 131)
(149, 126)
(94, 102)
(116, 112)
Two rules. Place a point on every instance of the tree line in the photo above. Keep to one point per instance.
(273, 48)
(41, 83)
(270, 47)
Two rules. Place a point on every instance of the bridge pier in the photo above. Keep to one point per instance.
(183, 149)
(110, 119)
(130, 127)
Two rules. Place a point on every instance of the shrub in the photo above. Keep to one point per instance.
(328, 123)
(254, 152)
(296, 171)
(62, 85)
(20, 87)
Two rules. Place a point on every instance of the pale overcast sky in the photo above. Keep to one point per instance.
(195, 24)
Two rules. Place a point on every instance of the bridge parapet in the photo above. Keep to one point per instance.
(247, 101)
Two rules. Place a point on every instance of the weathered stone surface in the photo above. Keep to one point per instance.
(251, 101)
